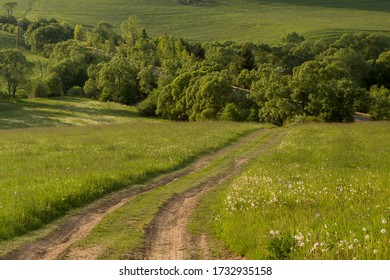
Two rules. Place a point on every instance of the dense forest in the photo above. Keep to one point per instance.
(295, 80)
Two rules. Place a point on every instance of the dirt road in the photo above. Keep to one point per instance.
(167, 236)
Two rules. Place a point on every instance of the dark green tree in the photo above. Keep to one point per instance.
(44, 32)
(117, 81)
(14, 69)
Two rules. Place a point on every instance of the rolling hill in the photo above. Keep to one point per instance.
(220, 20)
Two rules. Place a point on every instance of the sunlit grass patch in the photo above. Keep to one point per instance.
(63, 111)
(323, 193)
(47, 171)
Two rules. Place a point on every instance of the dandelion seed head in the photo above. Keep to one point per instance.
(383, 231)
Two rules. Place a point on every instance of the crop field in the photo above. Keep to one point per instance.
(48, 171)
(220, 20)
(322, 193)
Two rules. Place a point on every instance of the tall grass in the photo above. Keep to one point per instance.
(323, 193)
(47, 171)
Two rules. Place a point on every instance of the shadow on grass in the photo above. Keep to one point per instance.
(66, 111)
(366, 5)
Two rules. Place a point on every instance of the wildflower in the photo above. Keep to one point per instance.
(375, 251)
(356, 240)
(364, 229)
(367, 237)
(272, 232)
(301, 244)
(384, 221)
(350, 247)
(383, 231)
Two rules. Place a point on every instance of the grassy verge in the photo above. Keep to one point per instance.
(123, 231)
(321, 194)
(47, 171)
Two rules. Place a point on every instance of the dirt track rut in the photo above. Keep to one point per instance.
(166, 238)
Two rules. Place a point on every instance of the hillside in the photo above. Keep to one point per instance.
(221, 20)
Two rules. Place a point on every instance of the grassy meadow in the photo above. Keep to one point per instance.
(46, 171)
(322, 193)
(247, 20)
(63, 111)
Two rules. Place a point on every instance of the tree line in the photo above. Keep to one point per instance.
(172, 78)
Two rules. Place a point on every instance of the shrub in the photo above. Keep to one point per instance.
(38, 88)
(231, 113)
(76, 91)
(54, 85)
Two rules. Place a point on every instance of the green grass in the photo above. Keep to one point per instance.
(246, 20)
(68, 111)
(323, 193)
(46, 171)
(124, 230)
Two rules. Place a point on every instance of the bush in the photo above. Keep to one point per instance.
(38, 89)
(231, 113)
(302, 119)
(76, 91)
(54, 85)
(148, 107)
(380, 103)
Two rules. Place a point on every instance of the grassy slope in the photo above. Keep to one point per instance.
(63, 111)
(246, 20)
(47, 171)
(323, 192)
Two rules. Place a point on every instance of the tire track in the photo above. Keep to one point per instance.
(58, 243)
(168, 237)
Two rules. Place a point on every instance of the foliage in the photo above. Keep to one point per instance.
(43, 32)
(380, 103)
(79, 33)
(14, 69)
(54, 85)
(76, 91)
(102, 36)
(38, 88)
(117, 81)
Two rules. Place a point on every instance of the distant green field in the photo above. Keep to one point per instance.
(246, 20)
